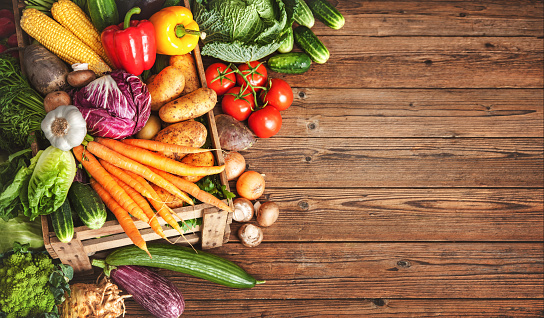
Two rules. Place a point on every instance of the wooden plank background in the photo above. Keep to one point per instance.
(409, 172)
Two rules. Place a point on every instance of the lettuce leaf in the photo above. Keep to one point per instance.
(240, 31)
(50, 182)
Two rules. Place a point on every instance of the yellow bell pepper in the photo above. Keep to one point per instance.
(176, 33)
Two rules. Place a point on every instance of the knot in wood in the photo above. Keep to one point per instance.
(304, 205)
(301, 94)
(404, 264)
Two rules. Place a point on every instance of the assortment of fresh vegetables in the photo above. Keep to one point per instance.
(131, 113)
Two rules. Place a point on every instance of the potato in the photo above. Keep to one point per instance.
(189, 106)
(166, 86)
(186, 133)
(56, 99)
(44, 70)
(171, 200)
(80, 78)
(233, 135)
(150, 79)
(201, 159)
(151, 128)
(186, 63)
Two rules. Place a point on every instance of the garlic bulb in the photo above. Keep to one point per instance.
(64, 127)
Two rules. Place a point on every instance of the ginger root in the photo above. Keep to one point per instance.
(100, 300)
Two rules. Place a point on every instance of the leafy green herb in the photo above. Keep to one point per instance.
(189, 224)
(20, 105)
(243, 31)
(212, 184)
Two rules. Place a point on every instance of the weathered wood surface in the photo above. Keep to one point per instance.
(409, 172)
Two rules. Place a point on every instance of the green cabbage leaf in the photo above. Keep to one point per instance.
(240, 31)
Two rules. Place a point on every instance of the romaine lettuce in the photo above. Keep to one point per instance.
(48, 187)
(240, 31)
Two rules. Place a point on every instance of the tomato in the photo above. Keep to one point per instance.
(279, 94)
(265, 122)
(254, 72)
(220, 78)
(238, 103)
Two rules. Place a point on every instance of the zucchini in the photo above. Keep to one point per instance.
(287, 44)
(103, 13)
(326, 13)
(308, 41)
(184, 260)
(303, 15)
(62, 221)
(89, 207)
(290, 63)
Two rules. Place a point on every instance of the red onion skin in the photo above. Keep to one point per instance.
(156, 294)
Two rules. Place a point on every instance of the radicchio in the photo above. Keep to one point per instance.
(116, 105)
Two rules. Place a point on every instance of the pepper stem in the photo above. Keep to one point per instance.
(130, 13)
(181, 31)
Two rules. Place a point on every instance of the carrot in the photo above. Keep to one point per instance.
(159, 146)
(125, 177)
(128, 164)
(158, 161)
(121, 215)
(193, 190)
(95, 169)
(142, 202)
(164, 211)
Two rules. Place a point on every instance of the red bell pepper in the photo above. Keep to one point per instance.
(131, 45)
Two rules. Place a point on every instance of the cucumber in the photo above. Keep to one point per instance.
(308, 41)
(290, 63)
(89, 207)
(62, 221)
(103, 13)
(303, 15)
(326, 13)
(184, 260)
(287, 44)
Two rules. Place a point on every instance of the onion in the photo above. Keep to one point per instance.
(235, 165)
(250, 185)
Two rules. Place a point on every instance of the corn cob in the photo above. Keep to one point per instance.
(70, 16)
(61, 41)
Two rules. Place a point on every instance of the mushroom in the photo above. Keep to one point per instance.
(267, 213)
(250, 235)
(243, 210)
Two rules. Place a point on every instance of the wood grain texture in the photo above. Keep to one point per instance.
(392, 162)
(378, 270)
(426, 62)
(438, 18)
(401, 113)
(318, 215)
(377, 307)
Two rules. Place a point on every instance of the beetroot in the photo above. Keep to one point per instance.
(7, 27)
(12, 40)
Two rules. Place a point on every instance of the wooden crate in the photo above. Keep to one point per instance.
(213, 232)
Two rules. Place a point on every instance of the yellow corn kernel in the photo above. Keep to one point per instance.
(70, 16)
(61, 41)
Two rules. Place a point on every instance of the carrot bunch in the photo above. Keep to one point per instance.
(121, 173)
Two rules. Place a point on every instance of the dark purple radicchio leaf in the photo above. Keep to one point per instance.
(116, 105)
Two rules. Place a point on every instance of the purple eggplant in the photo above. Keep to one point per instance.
(156, 294)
